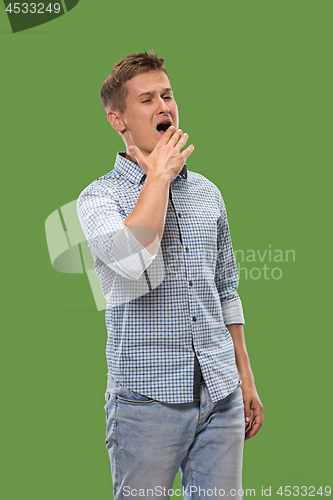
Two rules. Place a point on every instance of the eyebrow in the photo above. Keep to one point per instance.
(151, 92)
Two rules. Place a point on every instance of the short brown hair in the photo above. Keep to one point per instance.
(114, 90)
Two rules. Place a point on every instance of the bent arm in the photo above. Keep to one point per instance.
(107, 235)
(161, 166)
(147, 219)
(129, 246)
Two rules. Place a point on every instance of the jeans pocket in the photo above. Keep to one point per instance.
(125, 395)
(107, 406)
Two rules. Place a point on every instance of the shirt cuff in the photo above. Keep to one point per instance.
(134, 265)
(122, 252)
(232, 311)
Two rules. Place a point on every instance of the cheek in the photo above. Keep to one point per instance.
(141, 123)
(176, 115)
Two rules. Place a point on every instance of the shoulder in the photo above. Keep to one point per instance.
(108, 183)
(200, 183)
(104, 190)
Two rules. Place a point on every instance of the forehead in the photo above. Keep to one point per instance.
(152, 81)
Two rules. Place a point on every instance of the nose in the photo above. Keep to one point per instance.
(163, 106)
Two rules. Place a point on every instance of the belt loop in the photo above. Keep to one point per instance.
(112, 384)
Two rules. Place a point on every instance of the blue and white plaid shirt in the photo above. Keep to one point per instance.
(182, 298)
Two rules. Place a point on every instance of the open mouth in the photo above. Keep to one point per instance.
(162, 127)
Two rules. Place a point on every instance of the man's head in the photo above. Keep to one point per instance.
(114, 90)
(138, 100)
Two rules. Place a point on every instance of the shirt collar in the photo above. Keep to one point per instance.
(134, 172)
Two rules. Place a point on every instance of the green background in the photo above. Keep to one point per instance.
(253, 81)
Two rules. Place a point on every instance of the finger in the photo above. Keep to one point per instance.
(167, 135)
(181, 143)
(253, 430)
(257, 420)
(175, 137)
(187, 152)
(247, 411)
(248, 426)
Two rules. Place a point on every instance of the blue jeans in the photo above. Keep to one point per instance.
(148, 441)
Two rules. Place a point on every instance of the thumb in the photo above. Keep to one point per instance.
(247, 411)
(134, 151)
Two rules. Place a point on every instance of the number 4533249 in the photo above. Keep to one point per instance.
(32, 8)
(304, 491)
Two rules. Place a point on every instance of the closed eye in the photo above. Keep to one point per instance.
(165, 97)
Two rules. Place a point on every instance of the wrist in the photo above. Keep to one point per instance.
(247, 381)
(161, 180)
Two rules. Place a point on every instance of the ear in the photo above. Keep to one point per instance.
(115, 119)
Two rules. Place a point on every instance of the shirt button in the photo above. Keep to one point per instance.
(194, 318)
(190, 283)
(180, 216)
(187, 250)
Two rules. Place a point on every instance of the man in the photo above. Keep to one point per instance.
(179, 377)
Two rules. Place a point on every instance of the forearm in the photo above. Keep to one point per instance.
(253, 408)
(150, 212)
(242, 357)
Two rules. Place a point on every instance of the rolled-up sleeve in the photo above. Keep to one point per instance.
(226, 273)
(108, 237)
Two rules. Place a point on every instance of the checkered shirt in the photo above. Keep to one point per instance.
(179, 302)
